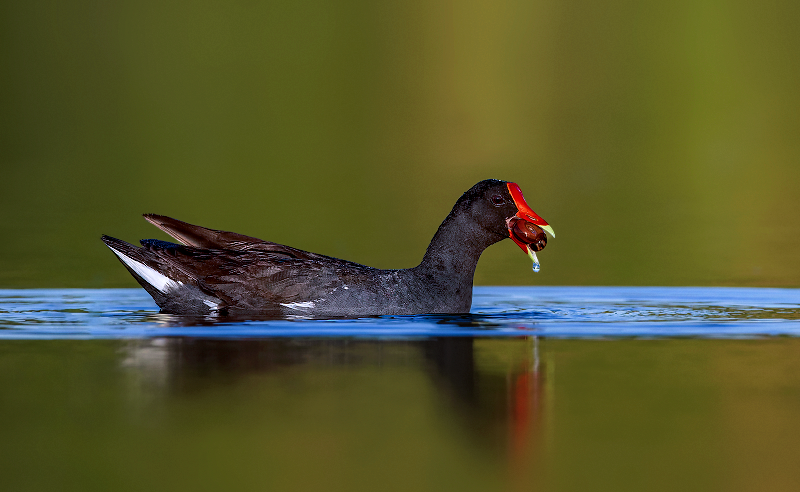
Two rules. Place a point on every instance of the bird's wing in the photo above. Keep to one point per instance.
(205, 238)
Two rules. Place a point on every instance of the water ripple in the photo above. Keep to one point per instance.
(497, 311)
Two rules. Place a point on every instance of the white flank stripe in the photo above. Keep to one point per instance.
(299, 306)
(211, 304)
(149, 275)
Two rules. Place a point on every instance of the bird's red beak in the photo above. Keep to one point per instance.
(527, 215)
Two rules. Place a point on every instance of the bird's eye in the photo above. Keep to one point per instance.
(498, 200)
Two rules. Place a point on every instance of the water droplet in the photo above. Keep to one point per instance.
(534, 259)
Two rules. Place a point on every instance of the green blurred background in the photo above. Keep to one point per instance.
(660, 139)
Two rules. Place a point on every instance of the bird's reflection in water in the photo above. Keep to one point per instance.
(492, 388)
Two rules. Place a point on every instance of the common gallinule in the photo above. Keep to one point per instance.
(224, 273)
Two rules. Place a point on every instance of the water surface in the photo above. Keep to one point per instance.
(497, 311)
(538, 389)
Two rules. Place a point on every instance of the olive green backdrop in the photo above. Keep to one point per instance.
(660, 139)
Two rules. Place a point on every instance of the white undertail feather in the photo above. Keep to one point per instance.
(149, 275)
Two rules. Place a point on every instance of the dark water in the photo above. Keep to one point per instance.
(538, 389)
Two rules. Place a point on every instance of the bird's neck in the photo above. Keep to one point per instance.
(455, 250)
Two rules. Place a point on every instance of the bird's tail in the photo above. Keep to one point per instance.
(171, 287)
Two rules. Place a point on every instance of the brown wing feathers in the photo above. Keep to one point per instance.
(202, 237)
